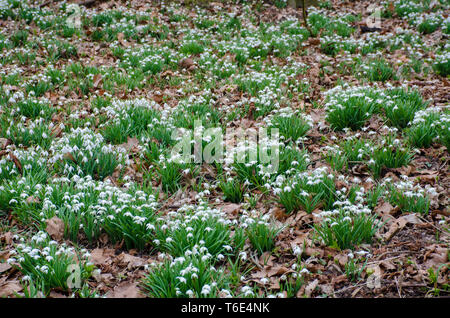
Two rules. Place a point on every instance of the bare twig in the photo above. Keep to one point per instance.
(255, 261)
(399, 288)
(350, 287)
(386, 259)
(440, 230)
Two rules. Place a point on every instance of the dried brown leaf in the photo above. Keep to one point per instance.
(55, 228)
(9, 289)
(126, 290)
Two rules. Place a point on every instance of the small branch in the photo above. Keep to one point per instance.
(399, 288)
(350, 287)
(426, 221)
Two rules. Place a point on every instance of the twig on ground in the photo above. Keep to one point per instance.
(399, 288)
(440, 230)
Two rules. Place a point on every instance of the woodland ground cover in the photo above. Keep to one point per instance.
(94, 202)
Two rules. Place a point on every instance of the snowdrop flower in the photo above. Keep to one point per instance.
(243, 256)
(181, 279)
(304, 271)
(297, 251)
(206, 289)
(26, 278)
(247, 290)
(190, 293)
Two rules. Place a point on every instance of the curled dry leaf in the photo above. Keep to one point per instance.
(56, 131)
(131, 145)
(55, 228)
(396, 226)
(400, 223)
(32, 199)
(4, 267)
(158, 97)
(97, 80)
(69, 156)
(4, 143)
(187, 63)
(16, 162)
(121, 39)
(266, 259)
(54, 294)
(342, 259)
(130, 261)
(278, 213)
(412, 219)
(435, 256)
(278, 270)
(386, 210)
(339, 279)
(6, 237)
(231, 208)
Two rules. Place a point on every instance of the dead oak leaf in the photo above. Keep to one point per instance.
(97, 80)
(4, 142)
(394, 228)
(342, 259)
(130, 261)
(266, 259)
(54, 294)
(4, 267)
(100, 256)
(131, 145)
(412, 219)
(231, 208)
(32, 199)
(121, 39)
(278, 213)
(278, 270)
(9, 289)
(435, 256)
(386, 210)
(399, 224)
(55, 228)
(187, 63)
(6, 237)
(338, 279)
(311, 287)
(16, 162)
(126, 290)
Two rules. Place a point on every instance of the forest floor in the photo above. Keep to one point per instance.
(97, 98)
